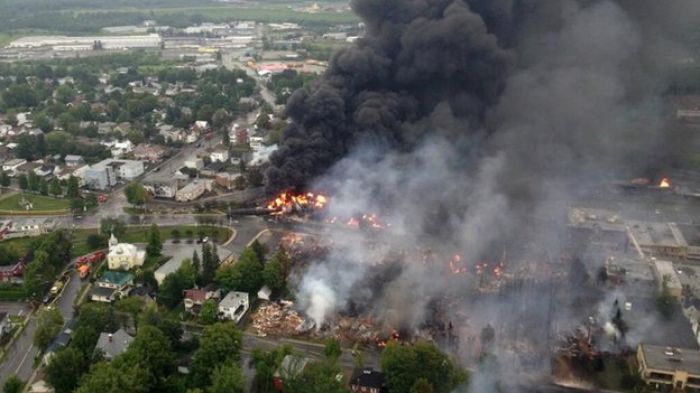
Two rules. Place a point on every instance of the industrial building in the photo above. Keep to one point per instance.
(654, 238)
(666, 274)
(107, 173)
(674, 367)
(193, 190)
(65, 43)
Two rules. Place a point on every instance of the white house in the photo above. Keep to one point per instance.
(234, 306)
(12, 165)
(124, 256)
(220, 155)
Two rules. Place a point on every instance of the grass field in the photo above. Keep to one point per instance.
(6, 38)
(217, 13)
(43, 204)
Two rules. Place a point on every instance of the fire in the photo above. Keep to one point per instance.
(665, 183)
(455, 265)
(286, 203)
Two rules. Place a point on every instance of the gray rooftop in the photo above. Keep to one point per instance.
(113, 344)
(671, 359)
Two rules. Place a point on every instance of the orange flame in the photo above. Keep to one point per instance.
(665, 183)
(286, 203)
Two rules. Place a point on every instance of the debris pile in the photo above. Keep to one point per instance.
(279, 319)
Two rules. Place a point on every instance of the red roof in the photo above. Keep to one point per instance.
(196, 295)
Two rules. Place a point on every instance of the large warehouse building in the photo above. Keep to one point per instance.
(58, 42)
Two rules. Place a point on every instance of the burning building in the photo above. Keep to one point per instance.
(454, 123)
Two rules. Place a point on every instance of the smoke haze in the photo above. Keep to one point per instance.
(458, 122)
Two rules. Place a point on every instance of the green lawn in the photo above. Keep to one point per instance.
(6, 38)
(43, 204)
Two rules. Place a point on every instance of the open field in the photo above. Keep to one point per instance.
(218, 13)
(42, 204)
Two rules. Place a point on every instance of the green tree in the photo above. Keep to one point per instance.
(151, 351)
(64, 370)
(77, 205)
(332, 349)
(276, 270)
(220, 119)
(136, 194)
(227, 378)
(96, 241)
(110, 226)
(208, 312)
(244, 275)
(33, 181)
(259, 249)
(317, 377)
(43, 122)
(37, 275)
(43, 187)
(170, 291)
(196, 264)
(55, 188)
(220, 344)
(5, 179)
(13, 385)
(255, 177)
(106, 378)
(73, 188)
(266, 364)
(154, 244)
(403, 365)
(91, 201)
(23, 182)
(208, 265)
(175, 234)
(59, 142)
(422, 386)
(49, 323)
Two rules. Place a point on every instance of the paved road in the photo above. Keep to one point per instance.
(20, 359)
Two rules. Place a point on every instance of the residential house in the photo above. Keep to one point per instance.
(291, 366)
(111, 286)
(234, 306)
(148, 152)
(106, 127)
(194, 298)
(45, 170)
(74, 161)
(264, 293)
(11, 166)
(105, 174)
(31, 227)
(171, 133)
(367, 380)
(194, 163)
(200, 126)
(256, 142)
(29, 167)
(213, 168)
(125, 256)
(114, 344)
(162, 188)
(219, 155)
(119, 148)
(193, 190)
(77, 172)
